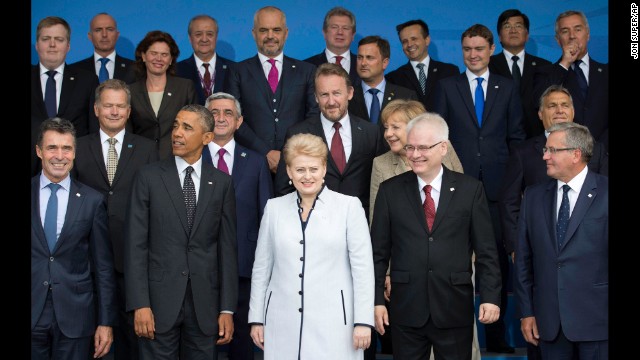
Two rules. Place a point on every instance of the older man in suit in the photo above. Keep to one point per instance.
(562, 254)
(253, 187)
(72, 280)
(181, 269)
(428, 222)
(275, 90)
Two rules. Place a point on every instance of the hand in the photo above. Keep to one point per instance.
(144, 323)
(529, 329)
(382, 318)
(102, 341)
(513, 257)
(273, 157)
(570, 53)
(225, 328)
(488, 313)
(257, 335)
(387, 288)
(361, 337)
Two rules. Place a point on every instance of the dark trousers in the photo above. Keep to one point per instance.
(415, 343)
(125, 341)
(562, 348)
(241, 347)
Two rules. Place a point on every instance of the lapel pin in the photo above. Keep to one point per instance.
(72, 78)
(122, 65)
(599, 69)
(78, 194)
(129, 146)
(293, 66)
(589, 195)
(210, 182)
(533, 63)
(495, 87)
(168, 94)
(359, 128)
(435, 70)
(452, 189)
(244, 154)
(224, 66)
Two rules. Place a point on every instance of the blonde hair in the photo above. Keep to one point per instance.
(305, 144)
(407, 108)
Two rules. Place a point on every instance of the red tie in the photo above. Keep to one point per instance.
(272, 78)
(222, 165)
(337, 149)
(207, 80)
(429, 206)
(339, 60)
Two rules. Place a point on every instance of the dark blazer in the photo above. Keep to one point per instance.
(592, 112)
(356, 178)
(90, 169)
(560, 286)
(76, 105)
(431, 271)
(485, 147)
(188, 70)
(253, 187)
(124, 68)
(406, 77)
(161, 255)
(178, 92)
(498, 65)
(80, 267)
(321, 58)
(525, 168)
(267, 116)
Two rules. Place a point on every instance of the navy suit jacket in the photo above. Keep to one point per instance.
(188, 70)
(75, 105)
(525, 168)
(485, 147)
(90, 169)
(253, 187)
(565, 287)
(321, 58)
(267, 116)
(498, 65)
(406, 77)
(80, 268)
(124, 68)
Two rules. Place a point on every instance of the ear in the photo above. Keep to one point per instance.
(239, 122)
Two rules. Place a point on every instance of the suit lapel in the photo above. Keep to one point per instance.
(413, 199)
(259, 80)
(126, 152)
(36, 220)
(389, 94)
(465, 93)
(76, 199)
(206, 189)
(588, 193)
(357, 134)
(410, 75)
(168, 95)
(143, 99)
(493, 88)
(552, 213)
(96, 150)
(239, 163)
(171, 180)
(596, 79)
(529, 70)
(68, 84)
(360, 106)
(447, 189)
(37, 97)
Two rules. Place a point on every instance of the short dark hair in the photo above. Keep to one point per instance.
(423, 26)
(57, 124)
(478, 30)
(206, 118)
(509, 13)
(112, 84)
(339, 11)
(383, 44)
(50, 21)
(151, 38)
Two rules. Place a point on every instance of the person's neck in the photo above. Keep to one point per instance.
(103, 53)
(514, 50)
(306, 201)
(374, 82)
(205, 58)
(156, 82)
(221, 142)
(111, 133)
(338, 51)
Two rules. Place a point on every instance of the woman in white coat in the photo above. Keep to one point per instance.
(312, 286)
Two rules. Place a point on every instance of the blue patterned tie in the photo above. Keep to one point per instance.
(104, 74)
(563, 216)
(51, 217)
(479, 100)
(50, 101)
(422, 78)
(582, 80)
(374, 111)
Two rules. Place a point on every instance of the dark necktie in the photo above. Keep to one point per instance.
(112, 160)
(51, 217)
(103, 75)
(207, 80)
(429, 206)
(337, 148)
(422, 78)
(189, 192)
(339, 60)
(222, 165)
(273, 75)
(563, 216)
(50, 94)
(479, 100)
(582, 80)
(374, 111)
(515, 71)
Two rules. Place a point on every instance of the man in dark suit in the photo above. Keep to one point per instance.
(562, 253)
(415, 39)
(69, 241)
(253, 187)
(276, 91)
(339, 30)
(360, 139)
(92, 167)
(513, 32)
(483, 142)
(205, 67)
(429, 222)
(592, 106)
(180, 261)
(71, 90)
(103, 33)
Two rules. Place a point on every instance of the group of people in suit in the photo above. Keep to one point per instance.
(183, 244)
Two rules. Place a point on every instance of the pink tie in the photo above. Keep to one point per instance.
(222, 165)
(339, 60)
(273, 75)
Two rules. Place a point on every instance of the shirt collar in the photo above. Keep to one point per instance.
(182, 165)
(264, 58)
(59, 69)
(65, 183)
(111, 57)
(436, 183)
(119, 136)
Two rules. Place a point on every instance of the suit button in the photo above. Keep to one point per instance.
(299, 292)
(274, 110)
(430, 239)
(300, 275)
(184, 273)
(46, 283)
(274, 100)
(301, 258)
(301, 241)
(559, 265)
(189, 249)
(157, 140)
(430, 270)
(276, 120)
(478, 154)
(51, 258)
(110, 192)
(300, 309)
(480, 138)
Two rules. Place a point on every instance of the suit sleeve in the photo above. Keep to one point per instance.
(376, 179)
(523, 266)
(361, 261)
(192, 95)
(281, 181)
(451, 160)
(228, 251)
(265, 187)
(510, 199)
(381, 240)
(311, 107)
(262, 267)
(515, 120)
(440, 101)
(102, 260)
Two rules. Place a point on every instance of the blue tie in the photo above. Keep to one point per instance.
(479, 100)
(51, 217)
(104, 74)
(50, 94)
(582, 80)
(374, 111)
(563, 216)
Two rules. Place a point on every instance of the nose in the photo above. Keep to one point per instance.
(546, 155)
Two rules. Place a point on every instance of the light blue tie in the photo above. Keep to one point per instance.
(374, 111)
(51, 217)
(479, 101)
(104, 74)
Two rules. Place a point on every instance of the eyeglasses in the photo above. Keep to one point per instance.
(516, 27)
(553, 150)
(422, 149)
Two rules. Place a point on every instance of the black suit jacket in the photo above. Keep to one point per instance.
(267, 116)
(431, 271)
(188, 70)
(498, 65)
(525, 168)
(75, 105)
(356, 178)
(90, 169)
(124, 68)
(406, 77)
(321, 58)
